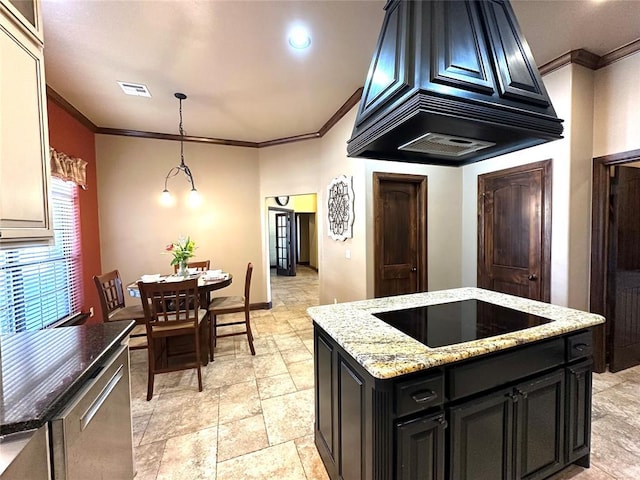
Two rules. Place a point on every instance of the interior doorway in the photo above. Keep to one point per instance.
(400, 233)
(615, 260)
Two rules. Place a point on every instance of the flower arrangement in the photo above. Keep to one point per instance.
(182, 251)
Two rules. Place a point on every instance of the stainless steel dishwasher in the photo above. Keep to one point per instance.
(92, 437)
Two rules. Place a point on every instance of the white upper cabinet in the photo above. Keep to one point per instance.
(24, 139)
(27, 13)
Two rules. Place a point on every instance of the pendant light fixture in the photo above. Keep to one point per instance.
(193, 196)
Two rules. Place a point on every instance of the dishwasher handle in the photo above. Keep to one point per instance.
(88, 415)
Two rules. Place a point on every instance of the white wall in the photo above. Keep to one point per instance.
(616, 125)
(135, 227)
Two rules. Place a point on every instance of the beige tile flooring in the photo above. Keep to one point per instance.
(254, 419)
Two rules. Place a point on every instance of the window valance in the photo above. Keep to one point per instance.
(68, 168)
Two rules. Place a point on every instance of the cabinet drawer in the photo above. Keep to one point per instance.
(419, 394)
(579, 346)
(503, 367)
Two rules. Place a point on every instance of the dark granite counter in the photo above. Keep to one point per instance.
(41, 371)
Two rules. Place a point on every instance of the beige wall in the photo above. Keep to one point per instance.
(345, 279)
(444, 220)
(135, 228)
(599, 109)
(571, 91)
(616, 114)
(342, 279)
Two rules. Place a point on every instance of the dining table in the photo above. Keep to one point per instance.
(206, 284)
(178, 347)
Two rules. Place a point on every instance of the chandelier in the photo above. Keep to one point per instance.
(193, 196)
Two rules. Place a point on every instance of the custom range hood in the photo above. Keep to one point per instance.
(451, 83)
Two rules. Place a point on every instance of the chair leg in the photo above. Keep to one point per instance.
(150, 373)
(212, 334)
(198, 362)
(249, 334)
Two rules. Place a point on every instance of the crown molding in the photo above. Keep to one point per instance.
(619, 53)
(580, 57)
(590, 60)
(71, 110)
(59, 100)
(174, 137)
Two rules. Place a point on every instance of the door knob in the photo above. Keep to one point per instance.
(532, 277)
(414, 269)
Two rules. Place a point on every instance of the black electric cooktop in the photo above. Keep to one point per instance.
(457, 322)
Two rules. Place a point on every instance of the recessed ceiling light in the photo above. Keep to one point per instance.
(299, 38)
(136, 89)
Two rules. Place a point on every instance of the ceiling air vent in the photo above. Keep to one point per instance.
(135, 89)
(438, 144)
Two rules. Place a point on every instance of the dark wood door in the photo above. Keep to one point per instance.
(623, 286)
(514, 231)
(285, 244)
(400, 224)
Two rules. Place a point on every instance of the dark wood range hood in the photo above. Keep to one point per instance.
(451, 83)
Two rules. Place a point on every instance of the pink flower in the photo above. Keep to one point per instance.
(169, 247)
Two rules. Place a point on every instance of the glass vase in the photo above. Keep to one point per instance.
(182, 269)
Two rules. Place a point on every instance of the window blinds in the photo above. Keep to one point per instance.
(41, 285)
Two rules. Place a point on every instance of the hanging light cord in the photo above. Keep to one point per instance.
(182, 167)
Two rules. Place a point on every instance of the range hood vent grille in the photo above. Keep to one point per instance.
(438, 144)
(461, 69)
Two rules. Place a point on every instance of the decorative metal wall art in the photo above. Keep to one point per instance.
(340, 208)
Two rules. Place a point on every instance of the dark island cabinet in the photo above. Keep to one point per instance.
(523, 413)
(515, 433)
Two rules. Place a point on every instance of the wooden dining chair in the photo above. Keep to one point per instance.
(202, 266)
(226, 305)
(111, 295)
(172, 310)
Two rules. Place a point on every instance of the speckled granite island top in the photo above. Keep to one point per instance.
(386, 352)
(42, 370)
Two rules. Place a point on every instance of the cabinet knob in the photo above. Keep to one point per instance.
(533, 277)
(414, 269)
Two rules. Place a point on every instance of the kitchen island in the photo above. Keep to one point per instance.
(457, 384)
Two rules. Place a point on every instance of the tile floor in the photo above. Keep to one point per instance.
(254, 419)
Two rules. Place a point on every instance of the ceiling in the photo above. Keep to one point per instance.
(232, 59)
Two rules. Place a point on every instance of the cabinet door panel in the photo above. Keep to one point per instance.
(350, 422)
(579, 410)
(421, 448)
(24, 156)
(481, 438)
(324, 392)
(540, 426)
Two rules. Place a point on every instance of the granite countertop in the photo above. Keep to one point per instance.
(42, 370)
(386, 352)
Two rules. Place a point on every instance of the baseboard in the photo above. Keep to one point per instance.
(260, 306)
